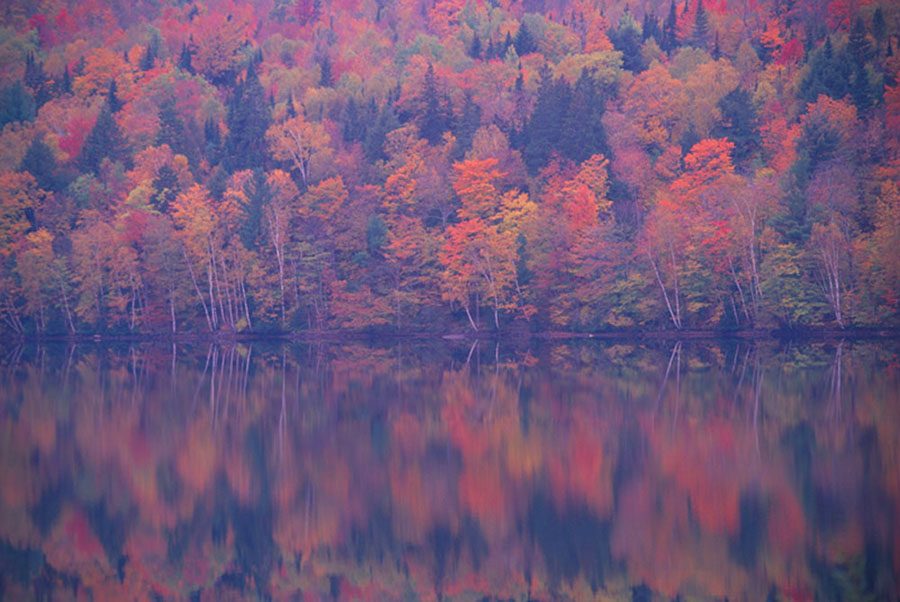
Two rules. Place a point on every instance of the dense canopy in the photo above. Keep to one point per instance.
(447, 165)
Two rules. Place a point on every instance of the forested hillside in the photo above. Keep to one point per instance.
(172, 166)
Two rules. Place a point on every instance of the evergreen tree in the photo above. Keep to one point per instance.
(40, 162)
(386, 123)
(700, 31)
(184, 60)
(465, 127)
(524, 42)
(326, 79)
(542, 133)
(861, 89)
(433, 121)
(105, 141)
(650, 28)
(212, 137)
(669, 40)
(582, 129)
(740, 125)
(148, 57)
(830, 73)
(258, 195)
(717, 52)
(475, 48)
(65, 83)
(171, 129)
(248, 118)
(16, 104)
(36, 80)
(112, 97)
(879, 26)
(860, 48)
(627, 40)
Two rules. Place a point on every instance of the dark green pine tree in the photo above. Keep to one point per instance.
(543, 132)
(65, 82)
(258, 195)
(507, 42)
(16, 104)
(171, 129)
(524, 41)
(830, 73)
(475, 48)
(326, 79)
(148, 57)
(385, 123)
(112, 97)
(879, 26)
(700, 31)
(740, 124)
(717, 52)
(466, 126)
(627, 40)
(860, 47)
(248, 118)
(105, 141)
(432, 120)
(650, 28)
(36, 80)
(167, 188)
(212, 137)
(184, 60)
(861, 89)
(670, 40)
(40, 162)
(582, 128)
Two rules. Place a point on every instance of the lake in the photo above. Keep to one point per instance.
(449, 470)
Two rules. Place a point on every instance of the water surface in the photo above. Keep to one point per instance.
(450, 471)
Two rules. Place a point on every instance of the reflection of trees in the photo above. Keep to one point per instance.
(367, 472)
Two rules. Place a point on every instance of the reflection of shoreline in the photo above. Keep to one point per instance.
(491, 471)
(350, 336)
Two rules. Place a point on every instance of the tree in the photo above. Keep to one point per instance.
(104, 142)
(700, 30)
(433, 120)
(248, 121)
(478, 254)
(16, 104)
(301, 143)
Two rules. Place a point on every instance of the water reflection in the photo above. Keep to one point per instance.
(450, 471)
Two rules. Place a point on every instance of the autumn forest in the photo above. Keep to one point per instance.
(169, 166)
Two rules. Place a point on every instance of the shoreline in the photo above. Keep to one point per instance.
(342, 336)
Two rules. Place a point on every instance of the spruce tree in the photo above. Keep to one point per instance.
(105, 141)
(171, 129)
(524, 41)
(40, 162)
(248, 119)
(466, 126)
(582, 129)
(543, 131)
(16, 104)
(861, 89)
(700, 31)
(432, 121)
(475, 48)
(112, 97)
(740, 124)
(669, 40)
(184, 60)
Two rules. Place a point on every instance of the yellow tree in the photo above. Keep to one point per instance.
(479, 253)
(303, 143)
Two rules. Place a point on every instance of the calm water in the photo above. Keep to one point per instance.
(443, 471)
